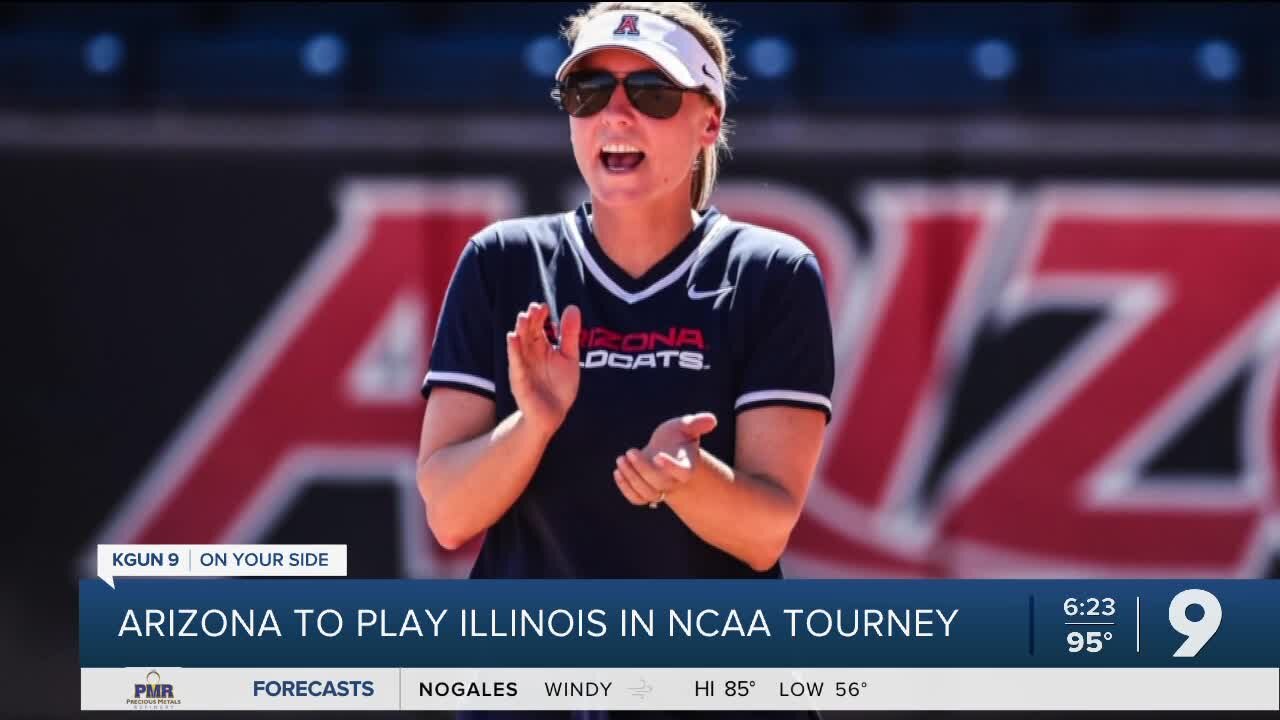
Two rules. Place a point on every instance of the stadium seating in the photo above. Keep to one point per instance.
(250, 66)
(1142, 74)
(1017, 57)
(64, 65)
(919, 73)
(464, 69)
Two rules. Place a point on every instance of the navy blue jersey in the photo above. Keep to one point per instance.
(733, 318)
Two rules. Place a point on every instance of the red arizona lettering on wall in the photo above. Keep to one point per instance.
(1187, 279)
(297, 401)
(930, 250)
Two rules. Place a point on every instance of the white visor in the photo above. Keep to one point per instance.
(666, 43)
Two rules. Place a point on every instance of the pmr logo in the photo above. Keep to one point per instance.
(153, 693)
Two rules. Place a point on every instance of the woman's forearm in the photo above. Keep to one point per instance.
(746, 515)
(467, 486)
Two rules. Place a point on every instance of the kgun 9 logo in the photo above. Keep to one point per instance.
(1198, 631)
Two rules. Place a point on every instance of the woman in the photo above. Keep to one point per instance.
(638, 388)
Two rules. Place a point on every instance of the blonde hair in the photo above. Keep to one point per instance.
(713, 36)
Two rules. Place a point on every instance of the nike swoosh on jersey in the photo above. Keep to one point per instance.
(704, 294)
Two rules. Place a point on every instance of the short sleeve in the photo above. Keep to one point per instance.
(462, 353)
(789, 354)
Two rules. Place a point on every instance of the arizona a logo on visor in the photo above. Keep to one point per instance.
(628, 25)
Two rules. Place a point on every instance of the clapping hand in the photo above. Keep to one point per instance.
(648, 476)
(544, 377)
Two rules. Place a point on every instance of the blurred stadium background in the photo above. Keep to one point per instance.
(1197, 59)
(1051, 235)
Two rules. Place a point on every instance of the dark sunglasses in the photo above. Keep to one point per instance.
(586, 93)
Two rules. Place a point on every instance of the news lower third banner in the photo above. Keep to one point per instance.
(259, 644)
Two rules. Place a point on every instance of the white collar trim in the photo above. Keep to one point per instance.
(575, 239)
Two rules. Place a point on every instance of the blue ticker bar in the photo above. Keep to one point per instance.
(680, 623)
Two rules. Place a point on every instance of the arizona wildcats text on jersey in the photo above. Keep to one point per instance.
(735, 317)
